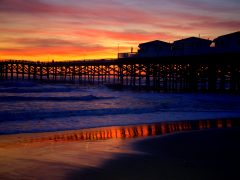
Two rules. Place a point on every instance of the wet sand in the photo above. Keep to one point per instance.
(22, 158)
(184, 150)
(205, 154)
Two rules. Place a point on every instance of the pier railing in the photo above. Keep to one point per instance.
(189, 73)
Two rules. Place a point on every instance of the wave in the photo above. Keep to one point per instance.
(35, 115)
(13, 83)
(40, 115)
(34, 90)
(70, 98)
(77, 123)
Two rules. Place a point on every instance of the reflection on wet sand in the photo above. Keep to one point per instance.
(132, 131)
(55, 155)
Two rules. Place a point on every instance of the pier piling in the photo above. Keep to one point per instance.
(199, 73)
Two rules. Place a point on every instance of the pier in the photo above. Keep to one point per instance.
(189, 73)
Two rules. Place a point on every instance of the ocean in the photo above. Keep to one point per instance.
(28, 106)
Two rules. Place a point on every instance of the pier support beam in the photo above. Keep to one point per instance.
(169, 74)
(193, 77)
(212, 77)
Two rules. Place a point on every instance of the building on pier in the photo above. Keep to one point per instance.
(229, 43)
(154, 49)
(191, 46)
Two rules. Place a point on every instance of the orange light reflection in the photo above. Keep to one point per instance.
(133, 131)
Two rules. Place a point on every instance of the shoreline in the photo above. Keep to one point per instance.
(73, 154)
(203, 154)
(125, 131)
(55, 160)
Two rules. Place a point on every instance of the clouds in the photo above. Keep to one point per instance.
(33, 7)
(91, 26)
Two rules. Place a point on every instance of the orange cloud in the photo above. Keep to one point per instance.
(131, 35)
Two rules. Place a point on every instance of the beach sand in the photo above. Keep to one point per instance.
(200, 154)
(22, 157)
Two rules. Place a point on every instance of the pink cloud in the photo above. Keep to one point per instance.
(79, 10)
(132, 35)
(33, 7)
(218, 24)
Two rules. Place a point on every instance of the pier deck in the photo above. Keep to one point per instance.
(192, 73)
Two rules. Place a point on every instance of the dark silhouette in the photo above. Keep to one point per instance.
(154, 49)
(192, 66)
(229, 43)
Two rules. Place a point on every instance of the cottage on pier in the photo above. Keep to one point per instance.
(229, 43)
(154, 49)
(191, 46)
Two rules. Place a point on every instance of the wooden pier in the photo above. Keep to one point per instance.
(192, 73)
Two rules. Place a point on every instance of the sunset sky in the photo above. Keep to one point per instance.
(88, 29)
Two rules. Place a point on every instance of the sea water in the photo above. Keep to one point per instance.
(27, 106)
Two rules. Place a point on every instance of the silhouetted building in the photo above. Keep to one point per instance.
(228, 43)
(191, 46)
(154, 49)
